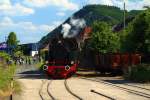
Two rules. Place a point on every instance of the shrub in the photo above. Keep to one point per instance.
(6, 75)
(140, 73)
(7, 72)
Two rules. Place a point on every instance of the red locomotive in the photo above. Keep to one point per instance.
(62, 62)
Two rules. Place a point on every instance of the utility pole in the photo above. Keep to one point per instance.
(5, 39)
(124, 6)
(84, 3)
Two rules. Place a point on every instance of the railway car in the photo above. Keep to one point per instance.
(62, 58)
(116, 63)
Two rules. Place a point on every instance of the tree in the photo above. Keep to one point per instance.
(103, 39)
(138, 34)
(12, 41)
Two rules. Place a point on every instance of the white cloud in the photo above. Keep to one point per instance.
(6, 22)
(6, 8)
(4, 1)
(130, 4)
(63, 4)
(103, 2)
(60, 14)
(25, 26)
(137, 4)
(26, 31)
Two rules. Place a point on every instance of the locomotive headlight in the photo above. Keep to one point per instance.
(67, 67)
(45, 67)
(72, 62)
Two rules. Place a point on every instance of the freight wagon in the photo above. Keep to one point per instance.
(116, 63)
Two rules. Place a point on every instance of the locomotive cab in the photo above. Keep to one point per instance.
(62, 60)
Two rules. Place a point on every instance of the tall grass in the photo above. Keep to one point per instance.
(6, 76)
(7, 72)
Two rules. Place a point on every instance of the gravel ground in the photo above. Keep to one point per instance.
(108, 90)
(30, 89)
(34, 81)
(58, 90)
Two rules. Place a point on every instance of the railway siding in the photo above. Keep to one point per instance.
(70, 91)
(59, 92)
(43, 92)
(83, 88)
(117, 91)
(128, 87)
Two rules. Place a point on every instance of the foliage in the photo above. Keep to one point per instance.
(6, 71)
(138, 34)
(140, 73)
(6, 76)
(12, 39)
(17, 87)
(18, 54)
(12, 42)
(103, 39)
(4, 55)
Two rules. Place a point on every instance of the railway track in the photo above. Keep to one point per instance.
(69, 90)
(104, 95)
(90, 93)
(48, 92)
(135, 92)
(40, 91)
(139, 87)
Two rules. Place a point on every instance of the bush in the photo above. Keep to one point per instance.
(140, 73)
(6, 75)
(4, 55)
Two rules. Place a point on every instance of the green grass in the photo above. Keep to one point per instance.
(139, 73)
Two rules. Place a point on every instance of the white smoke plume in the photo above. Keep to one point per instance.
(79, 23)
(73, 28)
(65, 29)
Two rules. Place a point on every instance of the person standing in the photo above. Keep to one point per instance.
(29, 60)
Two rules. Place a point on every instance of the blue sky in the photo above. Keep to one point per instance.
(33, 19)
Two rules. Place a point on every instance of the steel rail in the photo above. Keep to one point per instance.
(41, 89)
(106, 96)
(49, 93)
(122, 88)
(69, 90)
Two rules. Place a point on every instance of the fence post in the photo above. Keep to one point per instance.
(11, 97)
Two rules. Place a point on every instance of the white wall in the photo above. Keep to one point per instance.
(33, 53)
